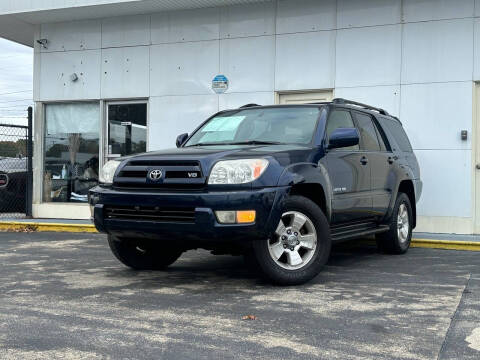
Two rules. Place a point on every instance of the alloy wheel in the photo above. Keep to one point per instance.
(294, 242)
(403, 224)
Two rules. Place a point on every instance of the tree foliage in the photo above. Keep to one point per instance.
(13, 148)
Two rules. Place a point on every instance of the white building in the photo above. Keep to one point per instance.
(104, 69)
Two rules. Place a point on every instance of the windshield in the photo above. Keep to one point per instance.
(282, 125)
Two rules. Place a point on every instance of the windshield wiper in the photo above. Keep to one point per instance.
(250, 142)
(256, 142)
(204, 144)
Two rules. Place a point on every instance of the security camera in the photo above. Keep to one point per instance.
(43, 42)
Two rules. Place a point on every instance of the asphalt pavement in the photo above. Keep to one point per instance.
(64, 296)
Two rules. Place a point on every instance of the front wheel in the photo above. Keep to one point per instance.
(142, 254)
(300, 246)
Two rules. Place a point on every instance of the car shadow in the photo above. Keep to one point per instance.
(199, 266)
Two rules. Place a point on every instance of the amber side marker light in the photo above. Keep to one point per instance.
(246, 216)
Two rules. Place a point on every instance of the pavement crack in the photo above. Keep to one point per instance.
(452, 320)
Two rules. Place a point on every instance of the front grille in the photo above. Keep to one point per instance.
(150, 213)
(177, 175)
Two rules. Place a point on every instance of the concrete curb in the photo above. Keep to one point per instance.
(89, 228)
(446, 244)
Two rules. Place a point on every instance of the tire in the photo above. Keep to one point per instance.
(277, 257)
(141, 254)
(397, 240)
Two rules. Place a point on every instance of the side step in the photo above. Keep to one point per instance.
(355, 230)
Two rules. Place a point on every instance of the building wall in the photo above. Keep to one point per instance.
(417, 59)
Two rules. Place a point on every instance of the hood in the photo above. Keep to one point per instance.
(285, 154)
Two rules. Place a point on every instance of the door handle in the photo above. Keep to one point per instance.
(478, 166)
(364, 160)
(390, 160)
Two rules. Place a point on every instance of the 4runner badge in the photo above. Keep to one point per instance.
(155, 175)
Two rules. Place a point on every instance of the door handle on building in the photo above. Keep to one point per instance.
(364, 160)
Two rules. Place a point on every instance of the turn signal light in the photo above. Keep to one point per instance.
(236, 217)
(245, 217)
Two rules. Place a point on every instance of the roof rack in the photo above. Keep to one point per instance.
(365, 106)
(248, 105)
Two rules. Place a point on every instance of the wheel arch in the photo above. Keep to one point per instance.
(312, 191)
(309, 180)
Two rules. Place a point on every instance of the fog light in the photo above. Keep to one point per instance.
(244, 217)
(225, 217)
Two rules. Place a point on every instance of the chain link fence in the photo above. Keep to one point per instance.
(14, 174)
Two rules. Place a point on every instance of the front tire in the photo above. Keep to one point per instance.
(300, 246)
(397, 239)
(142, 254)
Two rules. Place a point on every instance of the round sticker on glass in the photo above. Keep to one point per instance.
(220, 84)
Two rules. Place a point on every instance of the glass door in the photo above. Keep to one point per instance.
(126, 129)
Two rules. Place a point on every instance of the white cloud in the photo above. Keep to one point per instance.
(16, 81)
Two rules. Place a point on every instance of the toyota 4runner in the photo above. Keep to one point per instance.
(277, 184)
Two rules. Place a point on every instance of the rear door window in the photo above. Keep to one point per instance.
(368, 134)
(381, 140)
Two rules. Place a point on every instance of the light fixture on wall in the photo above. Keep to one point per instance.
(43, 42)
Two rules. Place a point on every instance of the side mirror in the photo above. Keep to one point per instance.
(181, 139)
(343, 137)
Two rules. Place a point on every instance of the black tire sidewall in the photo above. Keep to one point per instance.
(282, 276)
(402, 247)
(389, 242)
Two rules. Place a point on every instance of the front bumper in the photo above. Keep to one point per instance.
(267, 202)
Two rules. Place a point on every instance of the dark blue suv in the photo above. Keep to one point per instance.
(277, 184)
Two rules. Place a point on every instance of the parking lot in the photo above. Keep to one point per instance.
(65, 296)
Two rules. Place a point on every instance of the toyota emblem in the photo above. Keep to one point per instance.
(155, 175)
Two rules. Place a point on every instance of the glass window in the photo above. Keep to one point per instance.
(368, 135)
(380, 138)
(127, 129)
(398, 133)
(71, 151)
(340, 119)
(294, 125)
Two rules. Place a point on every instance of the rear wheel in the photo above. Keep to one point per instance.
(397, 239)
(300, 246)
(142, 254)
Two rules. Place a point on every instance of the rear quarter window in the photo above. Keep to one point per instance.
(396, 130)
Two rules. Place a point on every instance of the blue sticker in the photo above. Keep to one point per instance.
(220, 84)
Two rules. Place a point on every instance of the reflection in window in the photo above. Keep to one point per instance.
(127, 128)
(71, 151)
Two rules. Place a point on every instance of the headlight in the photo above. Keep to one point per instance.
(237, 171)
(107, 172)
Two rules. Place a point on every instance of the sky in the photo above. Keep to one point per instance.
(16, 82)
